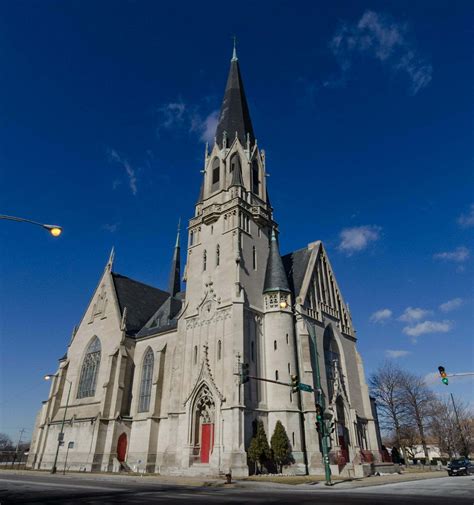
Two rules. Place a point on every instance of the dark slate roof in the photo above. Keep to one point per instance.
(295, 264)
(141, 301)
(275, 276)
(235, 115)
(165, 318)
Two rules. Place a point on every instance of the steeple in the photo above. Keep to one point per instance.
(234, 118)
(275, 276)
(175, 280)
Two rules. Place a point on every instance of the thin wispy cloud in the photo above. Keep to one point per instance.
(112, 228)
(412, 314)
(451, 305)
(427, 327)
(115, 157)
(183, 117)
(466, 220)
(172, 114)
(205, 127)
(396, 354)
(380, 37)
(380, 316)
(459, 255)
(358, 238)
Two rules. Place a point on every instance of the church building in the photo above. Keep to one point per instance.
(150, 380)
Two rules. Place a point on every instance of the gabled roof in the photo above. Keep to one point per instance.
(296, 264)
(141, 300)
(165, 318)
(235, 115)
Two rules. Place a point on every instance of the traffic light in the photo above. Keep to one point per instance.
(294, 383)
(444, 377)
(319, 413)
(244, 373)
(318, 428)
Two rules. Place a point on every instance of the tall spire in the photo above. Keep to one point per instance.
(234, 118)
(175, 275)
(234, 52)
(275, 276)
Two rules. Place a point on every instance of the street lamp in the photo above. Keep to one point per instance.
(61, 433)
(53, 229)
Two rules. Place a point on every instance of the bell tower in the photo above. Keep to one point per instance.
(223, 322)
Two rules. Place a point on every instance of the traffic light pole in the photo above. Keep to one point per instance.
(321, 401)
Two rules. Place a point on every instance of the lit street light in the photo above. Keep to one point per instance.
(54, 229)
(61, 433)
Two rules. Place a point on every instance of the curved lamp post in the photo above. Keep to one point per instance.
(54, 229)
(61, 433)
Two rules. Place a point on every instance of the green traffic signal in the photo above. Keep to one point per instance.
(444, 376)
(319, 412)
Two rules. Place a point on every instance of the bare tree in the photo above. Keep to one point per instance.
(418, 399)
(444, 426)
(386, 388)
(5, 442)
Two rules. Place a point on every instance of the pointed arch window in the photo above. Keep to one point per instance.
(195, 354)
(146, 382)
(204, 260)
(218, 255)
(219, 350)
(90, 369)
(234, 163)
(215, 172)
(255, 178)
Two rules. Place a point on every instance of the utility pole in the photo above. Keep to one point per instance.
(22, 430)
(463, 440)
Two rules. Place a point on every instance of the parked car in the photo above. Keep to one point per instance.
(460, 466)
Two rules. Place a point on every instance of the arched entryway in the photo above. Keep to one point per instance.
(342, 431)
(203, 425)
(122, 447)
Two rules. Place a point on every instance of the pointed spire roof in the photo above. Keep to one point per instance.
(175, 275)
(275, 276)
(235, 115)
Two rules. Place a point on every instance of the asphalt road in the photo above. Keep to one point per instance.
(65, 490)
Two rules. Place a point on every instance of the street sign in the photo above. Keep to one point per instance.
(305, 387)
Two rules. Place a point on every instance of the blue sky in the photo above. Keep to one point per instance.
(364, 110)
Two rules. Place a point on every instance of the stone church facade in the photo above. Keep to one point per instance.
(150, 376)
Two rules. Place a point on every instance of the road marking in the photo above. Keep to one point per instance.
(52, 484)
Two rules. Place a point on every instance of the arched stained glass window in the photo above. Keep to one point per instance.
(146, 382)
(90, 369)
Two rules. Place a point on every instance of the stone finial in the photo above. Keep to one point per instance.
(110, 262)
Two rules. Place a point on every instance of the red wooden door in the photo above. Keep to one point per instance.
(122, 447)
(207, 442)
